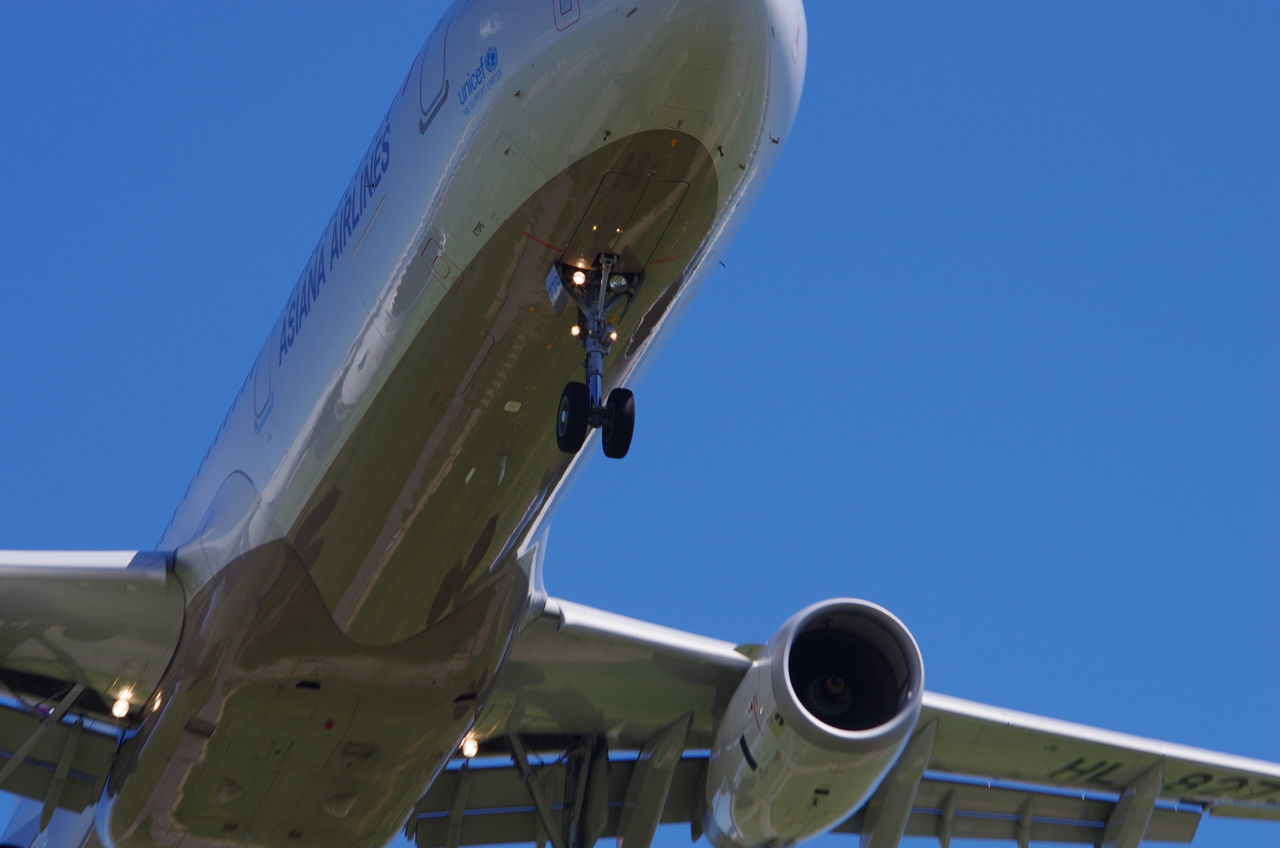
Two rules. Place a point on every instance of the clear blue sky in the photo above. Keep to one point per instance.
(997, 348)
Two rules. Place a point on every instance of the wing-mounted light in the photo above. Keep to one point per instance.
(814, 726)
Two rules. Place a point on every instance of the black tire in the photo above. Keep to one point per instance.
(572, 417)
(620, 423)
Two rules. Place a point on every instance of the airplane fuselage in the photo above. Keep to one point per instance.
(364, 534)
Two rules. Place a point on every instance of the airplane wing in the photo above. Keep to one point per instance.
(601, 724)
(80, 631)
(582, 671)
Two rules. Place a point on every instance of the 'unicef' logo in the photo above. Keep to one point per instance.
(483, 77)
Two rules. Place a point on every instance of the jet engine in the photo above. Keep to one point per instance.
(814, 727)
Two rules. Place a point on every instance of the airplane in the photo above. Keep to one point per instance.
(583, 632)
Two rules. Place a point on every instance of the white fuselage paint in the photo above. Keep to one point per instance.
(504, 95)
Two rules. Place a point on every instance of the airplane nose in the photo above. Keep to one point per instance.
(723, 52)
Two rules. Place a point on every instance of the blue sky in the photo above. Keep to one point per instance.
(997, 347)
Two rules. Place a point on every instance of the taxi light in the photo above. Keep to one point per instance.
(613, 336)
(575, 330)
(579, 278)
(470, 746)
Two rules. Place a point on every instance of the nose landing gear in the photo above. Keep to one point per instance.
(616, 420)
(583, 405)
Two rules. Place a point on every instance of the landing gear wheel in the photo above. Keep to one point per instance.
(572, 417)
(619, 423)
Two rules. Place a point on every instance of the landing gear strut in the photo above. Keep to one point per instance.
(583, 405)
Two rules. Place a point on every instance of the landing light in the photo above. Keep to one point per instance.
(613, 336)
(470, 746)
(579, 278)
(575, 330)
(120, 708)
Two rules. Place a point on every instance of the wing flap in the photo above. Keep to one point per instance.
(497, 807)
(491, 805)
(1234, 812)
(977, 811)
(82, 757)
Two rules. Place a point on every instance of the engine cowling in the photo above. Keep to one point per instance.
(814, 727)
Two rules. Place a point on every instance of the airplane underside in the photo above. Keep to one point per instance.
(367, 661)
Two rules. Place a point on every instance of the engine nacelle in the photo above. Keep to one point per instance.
(814, 726)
